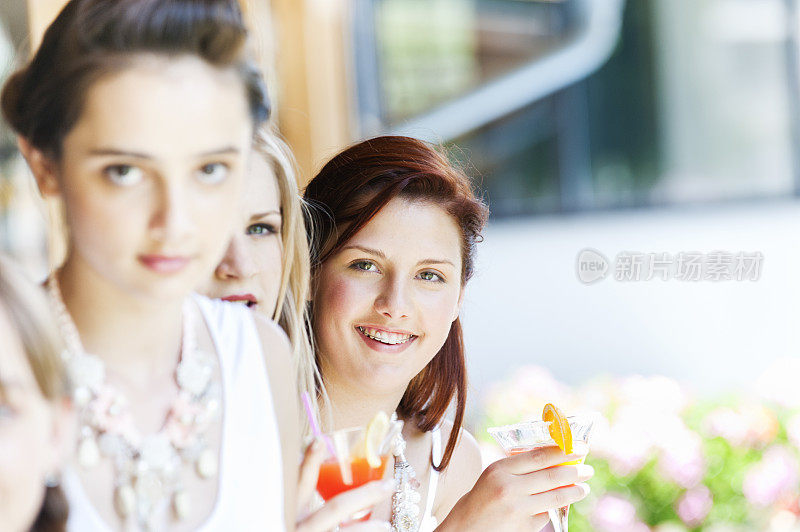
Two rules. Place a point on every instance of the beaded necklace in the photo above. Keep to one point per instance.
(146, 467)
(406, 498)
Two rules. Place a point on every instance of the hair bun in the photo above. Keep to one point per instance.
(11, 101)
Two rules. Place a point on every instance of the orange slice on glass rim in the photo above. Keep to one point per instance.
(559, 427)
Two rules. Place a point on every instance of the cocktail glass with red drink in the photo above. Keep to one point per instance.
(361, 455)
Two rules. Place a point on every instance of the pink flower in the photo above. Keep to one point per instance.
(774, 477)
(751, 425)
(625, 447)
(612, 513)
(524, 396)
(682, 458)
(627, 443)
(686, 470)
(728, 424)
(694, 505)
(762, 424)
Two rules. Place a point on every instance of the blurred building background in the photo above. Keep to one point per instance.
(646, 125)
(652, 126)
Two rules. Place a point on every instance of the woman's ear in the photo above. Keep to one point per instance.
(457, 310)
(41, 166)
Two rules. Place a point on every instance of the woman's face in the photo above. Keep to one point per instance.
(30, 446)
(250, 271)
(384, 304)
(152, 172)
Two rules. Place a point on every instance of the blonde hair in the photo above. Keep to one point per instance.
(31, 317)
(291, 310)
(26, 307)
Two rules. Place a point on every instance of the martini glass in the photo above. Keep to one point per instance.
(522, 437)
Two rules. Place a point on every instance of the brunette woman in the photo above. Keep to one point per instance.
(395, 240)
(139, 115)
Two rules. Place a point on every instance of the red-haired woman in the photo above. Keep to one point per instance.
(394, 246)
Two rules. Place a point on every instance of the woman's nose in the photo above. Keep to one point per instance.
(237, 262)
(393, 301)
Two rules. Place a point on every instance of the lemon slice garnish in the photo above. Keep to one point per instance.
(376, 432)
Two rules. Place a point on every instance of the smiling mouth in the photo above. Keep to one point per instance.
(385, 337)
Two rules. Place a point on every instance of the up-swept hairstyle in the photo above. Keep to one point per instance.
(348, 192)
(92, 38)
(32, 319)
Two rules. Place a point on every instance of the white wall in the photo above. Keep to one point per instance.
(525, 304)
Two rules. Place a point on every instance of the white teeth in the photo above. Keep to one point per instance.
(385, 337)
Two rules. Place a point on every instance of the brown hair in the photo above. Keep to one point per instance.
(31, 317)
(91, 38)
(348, 192)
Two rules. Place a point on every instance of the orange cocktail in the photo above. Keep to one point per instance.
(555, 429)
(356, 456)
(331, 482)
(520, 450)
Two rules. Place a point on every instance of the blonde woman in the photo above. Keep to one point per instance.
(35, 412)
(266, 268)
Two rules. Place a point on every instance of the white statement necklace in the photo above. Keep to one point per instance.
(146, 467)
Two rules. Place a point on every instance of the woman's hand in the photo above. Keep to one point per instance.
(340, 508)
(515, 493)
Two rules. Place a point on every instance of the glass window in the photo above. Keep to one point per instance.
(696, 101)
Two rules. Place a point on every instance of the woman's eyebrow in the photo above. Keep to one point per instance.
(103, 152)
(227, 150)
(382, 255)
(435, 261)
(260, 215)
(117, 152)
(371, 251)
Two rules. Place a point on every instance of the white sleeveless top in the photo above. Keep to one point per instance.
(250, 480)
(428, 522)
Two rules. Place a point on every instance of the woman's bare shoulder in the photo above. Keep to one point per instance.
(283, 385)
(272, 336)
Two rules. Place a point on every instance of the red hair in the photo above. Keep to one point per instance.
(348, 192)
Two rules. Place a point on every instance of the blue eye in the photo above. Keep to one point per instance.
(212, 174)
(262, 229)
(364, 266)
(124, 175)
(431, 276)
